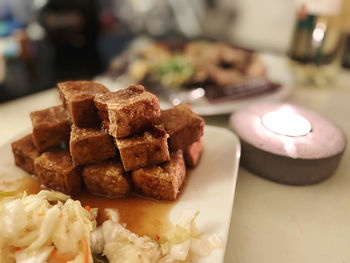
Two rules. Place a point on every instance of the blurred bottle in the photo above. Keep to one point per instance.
(72, 28)
(317, 42)
(346, 55)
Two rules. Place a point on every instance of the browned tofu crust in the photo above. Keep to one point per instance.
(192, 153)
(145, 149)
(183, 125)
(50, 127)
(161, 182)
(57, 171)
(107, 179)
(77, 97)
(128, 111)
(90, 145)
(24, 153)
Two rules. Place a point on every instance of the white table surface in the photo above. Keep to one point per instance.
(270, 222)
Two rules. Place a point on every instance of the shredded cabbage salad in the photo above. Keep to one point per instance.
(51, 227)
(46, 227)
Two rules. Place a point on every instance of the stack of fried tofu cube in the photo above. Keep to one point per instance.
(111, 143)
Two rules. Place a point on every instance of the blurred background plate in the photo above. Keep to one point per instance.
(276, 69)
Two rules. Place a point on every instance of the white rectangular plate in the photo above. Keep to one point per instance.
(210, 187)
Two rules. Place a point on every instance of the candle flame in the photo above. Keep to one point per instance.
(285, 121)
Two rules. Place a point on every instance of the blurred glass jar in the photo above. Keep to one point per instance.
(317, 42)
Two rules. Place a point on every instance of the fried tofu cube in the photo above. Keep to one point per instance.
(90, 145)
(51, 127)
(183, 126)
(128, 111)
(25, 152)
(192, 153)
(77, 97)
(161, 182)
(107, 179)
(57, 171)
(145, 149)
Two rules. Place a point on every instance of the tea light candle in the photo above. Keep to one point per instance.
(286, 123)
(287, 143)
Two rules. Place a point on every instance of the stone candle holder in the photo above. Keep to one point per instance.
(287, 143)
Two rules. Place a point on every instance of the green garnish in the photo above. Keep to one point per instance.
(174, 72)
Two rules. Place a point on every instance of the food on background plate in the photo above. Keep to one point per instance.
(219, 62)
(195, 62)
(51, 227)
(131, 129)
(225, 72)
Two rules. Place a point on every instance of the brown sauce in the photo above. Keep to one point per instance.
(141, 215)
(26, 183)
(30, 185)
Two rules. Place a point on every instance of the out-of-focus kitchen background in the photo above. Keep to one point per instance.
(46, 41)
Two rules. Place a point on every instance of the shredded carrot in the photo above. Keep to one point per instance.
(41, 214)
(61, 215)
(88, 208)
(86, 246)
(18, 248)
(59, 257)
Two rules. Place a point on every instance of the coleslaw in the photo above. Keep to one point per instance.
(51, 227)
(45, 227)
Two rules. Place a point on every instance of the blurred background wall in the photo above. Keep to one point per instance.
(45, 41)
(266, 25)
(261, 25)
